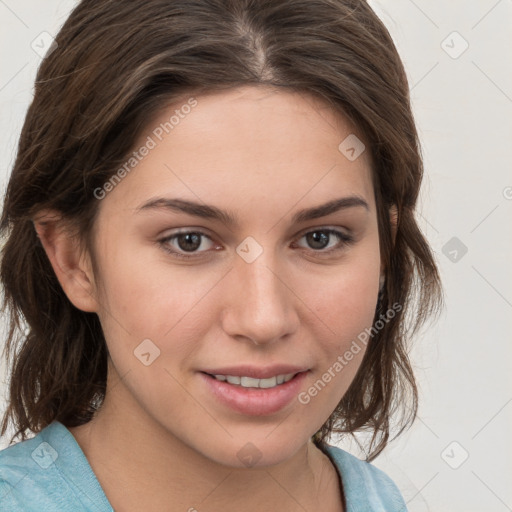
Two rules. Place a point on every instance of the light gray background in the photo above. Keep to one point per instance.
(463, 108)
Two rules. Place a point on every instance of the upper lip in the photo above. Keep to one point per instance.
(256, 372)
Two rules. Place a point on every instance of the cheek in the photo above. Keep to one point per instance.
(344, 300)
(341, 309)
(347, 303)
(147, 298)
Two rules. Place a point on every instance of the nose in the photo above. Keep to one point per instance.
(260, 305)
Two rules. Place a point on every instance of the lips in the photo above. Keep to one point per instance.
(252, 400)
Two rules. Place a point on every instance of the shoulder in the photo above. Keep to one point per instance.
(366, 487)
(35, 473)
(20, 474)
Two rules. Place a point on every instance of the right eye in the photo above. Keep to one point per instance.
(183, 242)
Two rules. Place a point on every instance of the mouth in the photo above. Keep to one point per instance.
(252, 396)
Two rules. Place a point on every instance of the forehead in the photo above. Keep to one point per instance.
(258, 143)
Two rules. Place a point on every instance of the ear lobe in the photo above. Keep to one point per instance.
(72, 268)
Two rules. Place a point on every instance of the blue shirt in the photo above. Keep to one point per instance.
(50, 473)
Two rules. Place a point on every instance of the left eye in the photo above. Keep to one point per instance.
(319, 239)
(191, 242)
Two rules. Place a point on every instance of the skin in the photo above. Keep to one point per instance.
(262, 155)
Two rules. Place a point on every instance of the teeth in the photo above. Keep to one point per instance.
(233, 380)
(250, 382)
(267, 383)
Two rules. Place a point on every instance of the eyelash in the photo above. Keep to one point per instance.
(345, 240)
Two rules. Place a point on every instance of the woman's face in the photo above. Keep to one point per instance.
(271, 291)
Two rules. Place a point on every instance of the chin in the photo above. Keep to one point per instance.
(242, 452)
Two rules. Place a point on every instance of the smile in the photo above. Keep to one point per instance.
(250, 382)
(251, 396)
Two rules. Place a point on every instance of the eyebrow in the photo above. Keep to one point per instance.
(210, 212)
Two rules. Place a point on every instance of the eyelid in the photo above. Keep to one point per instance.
(329, 228)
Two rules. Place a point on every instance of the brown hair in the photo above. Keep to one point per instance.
(116, 64)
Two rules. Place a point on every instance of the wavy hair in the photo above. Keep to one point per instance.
(116, 64)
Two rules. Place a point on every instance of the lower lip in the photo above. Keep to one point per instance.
(255, 401)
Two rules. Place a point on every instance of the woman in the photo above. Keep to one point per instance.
(210, 239)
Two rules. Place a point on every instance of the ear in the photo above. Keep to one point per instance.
(72, 268)
(393, 218)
